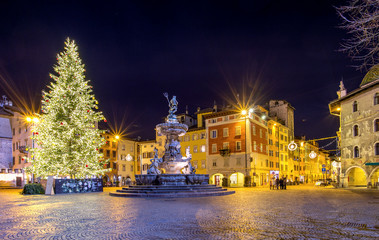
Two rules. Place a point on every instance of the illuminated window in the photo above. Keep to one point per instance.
(238, 131)
(202, 148)
(225, 132)
(225, 145)
(195, 149)
(254, 132)
(214, 148)
(255, 145)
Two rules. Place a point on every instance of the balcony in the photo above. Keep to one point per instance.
(225, 152)
(22, 149)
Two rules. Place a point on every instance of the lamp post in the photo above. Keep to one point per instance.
(33, 121)
(247, 175)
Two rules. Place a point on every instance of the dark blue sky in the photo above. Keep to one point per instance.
(136, 50)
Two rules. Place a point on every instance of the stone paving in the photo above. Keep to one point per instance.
(300, 212)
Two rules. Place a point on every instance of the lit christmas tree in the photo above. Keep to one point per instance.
(67, 138)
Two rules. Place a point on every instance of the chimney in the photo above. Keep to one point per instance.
(214, 106)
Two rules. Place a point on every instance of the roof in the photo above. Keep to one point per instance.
(5, 113)
(371, 75)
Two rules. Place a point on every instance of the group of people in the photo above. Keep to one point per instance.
(276, 183)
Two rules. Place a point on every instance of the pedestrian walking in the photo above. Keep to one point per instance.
(281, 183)
(277, 183)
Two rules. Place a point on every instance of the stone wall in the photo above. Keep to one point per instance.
(5, 153)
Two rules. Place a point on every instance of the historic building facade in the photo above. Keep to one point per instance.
(237, 148)
(359, 131)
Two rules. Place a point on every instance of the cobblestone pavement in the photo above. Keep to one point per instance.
(300, 212)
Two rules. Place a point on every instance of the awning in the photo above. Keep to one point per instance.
(372, 163)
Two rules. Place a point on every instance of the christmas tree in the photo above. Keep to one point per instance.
(67, 137)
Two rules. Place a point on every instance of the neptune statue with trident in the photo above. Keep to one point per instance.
(173, 105)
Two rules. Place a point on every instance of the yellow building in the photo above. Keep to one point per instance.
(126, 160)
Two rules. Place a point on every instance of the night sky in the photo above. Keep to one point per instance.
(200, 51)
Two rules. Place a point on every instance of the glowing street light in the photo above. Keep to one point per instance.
(117, 137)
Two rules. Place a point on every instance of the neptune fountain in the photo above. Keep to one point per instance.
(171, 175)
(172, 168)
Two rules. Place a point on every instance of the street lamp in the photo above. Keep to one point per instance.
(247, 176)
(33, 120)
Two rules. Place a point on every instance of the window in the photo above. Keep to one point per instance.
(225, 132)
(270, 131)
(131, 168)
(255, 146)
(225, 145)
(261, 147)
(376, 149)
(195, 149)
(260, 133)
(214, 164)
(254, 132)
(202, 163)
(113, 154)
(238, 146)
(202, 148)
(131, 149)
(14, 160)
(238, 131)
(214, 134)
(14, 147)
(123, 167)
(355, 130)
(108, 153)
(356, 152)
(355, 106)
(123, 147)
(266, 163)
(214, 148)
(187, 138)
(376, 125)
(13, 131)
(19, 130)
(281, 137)
(195, 137)
(194, 164)
(202, 136)
(376, 99)
(19, 159)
